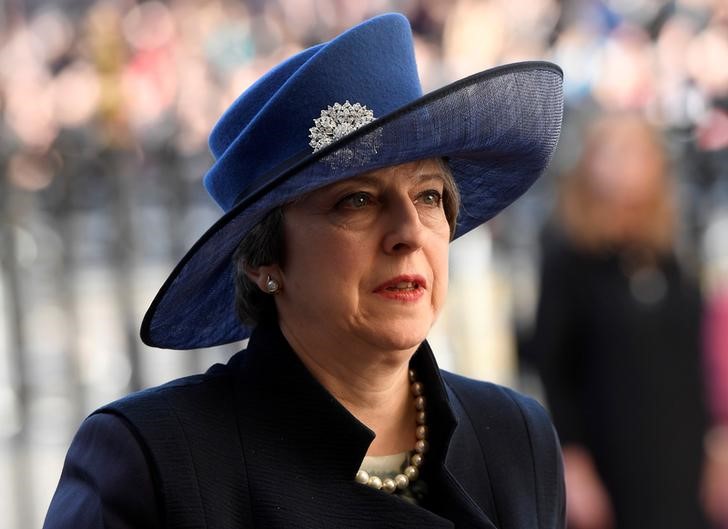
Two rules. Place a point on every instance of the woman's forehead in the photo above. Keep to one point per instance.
(417, 171)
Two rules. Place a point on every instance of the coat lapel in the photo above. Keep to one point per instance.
(302, 448)
(459, 482)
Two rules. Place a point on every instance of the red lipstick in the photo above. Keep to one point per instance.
(403, 288)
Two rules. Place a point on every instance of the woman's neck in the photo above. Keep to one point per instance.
(373, 385)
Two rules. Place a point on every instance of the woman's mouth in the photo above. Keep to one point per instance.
(403, 288)
(403, 285)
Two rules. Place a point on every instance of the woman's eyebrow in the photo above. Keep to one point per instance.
(417, 178)
(426, 177)
(363, 180)
(366, 179)
(374, 181)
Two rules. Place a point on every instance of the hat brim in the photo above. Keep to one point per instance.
(498, 130)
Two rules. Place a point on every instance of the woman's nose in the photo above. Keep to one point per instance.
(404, 231)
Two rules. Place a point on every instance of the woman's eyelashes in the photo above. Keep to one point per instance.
(357, 200)
(363, 199)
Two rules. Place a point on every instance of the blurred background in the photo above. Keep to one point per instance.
(105, 107)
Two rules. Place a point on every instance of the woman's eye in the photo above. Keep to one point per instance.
(431, 197)
(355, 201)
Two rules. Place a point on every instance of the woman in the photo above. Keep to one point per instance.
(618, 336)
(339, 211)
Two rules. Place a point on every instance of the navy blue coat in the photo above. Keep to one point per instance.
(258, 442)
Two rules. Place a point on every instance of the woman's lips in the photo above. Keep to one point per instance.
(403, 288)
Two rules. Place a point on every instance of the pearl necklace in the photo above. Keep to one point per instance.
(412, 471)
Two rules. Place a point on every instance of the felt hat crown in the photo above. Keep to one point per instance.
(339, 109)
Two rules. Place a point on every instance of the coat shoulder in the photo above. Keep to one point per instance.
(174, 423)
(498, 402)
(520, 448)
(204, 390)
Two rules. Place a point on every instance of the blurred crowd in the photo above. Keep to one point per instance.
(141, 72)
(105, 108)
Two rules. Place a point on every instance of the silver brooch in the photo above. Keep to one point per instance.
(337, 121)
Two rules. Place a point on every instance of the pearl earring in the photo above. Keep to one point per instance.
(271, 285)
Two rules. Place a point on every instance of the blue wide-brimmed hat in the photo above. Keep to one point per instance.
(338, 109)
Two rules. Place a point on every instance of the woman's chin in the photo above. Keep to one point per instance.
(403, 337)
(394, 330)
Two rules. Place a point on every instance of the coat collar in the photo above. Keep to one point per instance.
(302, 447)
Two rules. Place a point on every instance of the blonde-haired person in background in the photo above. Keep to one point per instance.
(618, 337)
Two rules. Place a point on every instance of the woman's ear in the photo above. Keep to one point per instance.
(267, 277)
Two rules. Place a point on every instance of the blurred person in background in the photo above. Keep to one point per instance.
(715, 485)
(332, 258)
(618, 337)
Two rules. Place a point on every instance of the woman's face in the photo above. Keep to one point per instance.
(367, 258)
